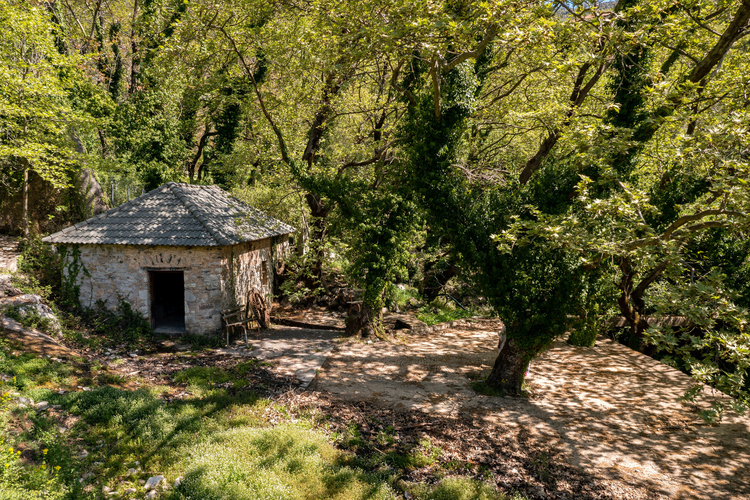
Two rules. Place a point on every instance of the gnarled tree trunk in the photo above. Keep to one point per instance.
(631, 302)
(508, 372)
(363, 321)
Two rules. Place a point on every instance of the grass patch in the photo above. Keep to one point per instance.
(442, 310)
(204, 380)
(286, 462)
(458, 489)
(28, 371)
(219, 439)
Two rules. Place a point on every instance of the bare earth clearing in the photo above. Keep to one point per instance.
(607, 409)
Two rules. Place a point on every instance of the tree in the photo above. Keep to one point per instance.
(37, 122)
(647, 220)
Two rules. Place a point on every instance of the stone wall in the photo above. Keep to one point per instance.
(109, 273)
(252, 268)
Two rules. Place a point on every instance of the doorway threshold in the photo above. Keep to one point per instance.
(170, 330)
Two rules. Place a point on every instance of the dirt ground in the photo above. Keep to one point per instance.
(607, 410)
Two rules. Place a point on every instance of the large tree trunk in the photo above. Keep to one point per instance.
(363, 322)
(632, 305)
(508, 372)
(26, 203)
(435, 278)
(319, 212)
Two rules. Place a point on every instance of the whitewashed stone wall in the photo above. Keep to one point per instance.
(216, 278)
(253, 268)
(112, 272)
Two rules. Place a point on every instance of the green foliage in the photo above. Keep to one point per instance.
(379, 250)
(584, 336)
(37, 117)
(124, 324)
(29, 319)
(145, 136)
(24, 482)
(713, 348)
(301, 283)
(442, 311)
(402, 297)
(42, 269)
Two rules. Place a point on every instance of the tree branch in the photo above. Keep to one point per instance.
(474, 53)
(276, 130)
(577, 96)
(698, 216)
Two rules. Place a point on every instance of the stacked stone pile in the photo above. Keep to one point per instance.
(8, 254)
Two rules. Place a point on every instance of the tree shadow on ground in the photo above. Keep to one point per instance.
(608, 410)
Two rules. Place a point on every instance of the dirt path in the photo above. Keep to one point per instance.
(613, 411)
(295, 352)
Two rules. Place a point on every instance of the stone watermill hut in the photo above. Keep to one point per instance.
(178, 254)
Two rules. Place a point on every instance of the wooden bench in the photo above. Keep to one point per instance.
(239, 316)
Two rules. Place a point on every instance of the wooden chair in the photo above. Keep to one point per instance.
(239, 316)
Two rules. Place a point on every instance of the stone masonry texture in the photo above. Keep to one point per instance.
(215, 278)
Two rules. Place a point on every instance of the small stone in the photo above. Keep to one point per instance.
(130, 491)
(178, 482)
(141, 482)
(106, 489)
(151, 494)
(132, 471)
(83, 455)
(86, 476)
(41, 405)
(133, 355)
(25, 401)
(153, 482)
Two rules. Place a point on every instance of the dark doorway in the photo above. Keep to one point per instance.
(167, 301)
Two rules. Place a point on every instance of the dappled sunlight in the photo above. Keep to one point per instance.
(612, 410)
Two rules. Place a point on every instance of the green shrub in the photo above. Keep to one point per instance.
(41, 268)
(123, 324)
(440, 311)
(584, 336)
(402, 297)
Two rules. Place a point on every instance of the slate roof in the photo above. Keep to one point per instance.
(175, 215)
